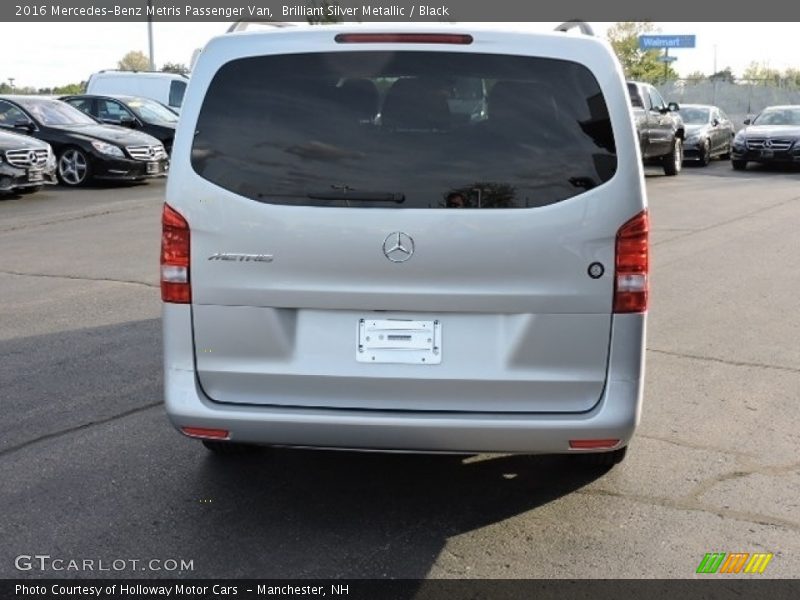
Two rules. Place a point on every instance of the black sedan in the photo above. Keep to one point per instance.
(709, 133)
(26, 164)
(134, 112)
(772, 137)
(84, 148)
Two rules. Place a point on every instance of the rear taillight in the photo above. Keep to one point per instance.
(175, 286)
(630, 277)
(403, 38)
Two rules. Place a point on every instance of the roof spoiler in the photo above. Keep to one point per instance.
(585, 28)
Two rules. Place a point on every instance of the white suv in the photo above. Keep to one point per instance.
(356, 255)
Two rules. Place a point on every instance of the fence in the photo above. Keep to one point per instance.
(739, 100)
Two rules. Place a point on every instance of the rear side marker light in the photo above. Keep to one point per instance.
(403, 38)
(206, 434)
(175, 284)
(632, 265)
(593, 444)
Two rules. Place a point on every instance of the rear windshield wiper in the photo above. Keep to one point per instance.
(349, 194)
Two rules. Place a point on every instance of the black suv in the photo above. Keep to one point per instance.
(659, 126)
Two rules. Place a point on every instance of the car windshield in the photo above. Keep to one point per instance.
(694, 116)
(779, 116)
(471, 130)
(150, 110)
(54, 112)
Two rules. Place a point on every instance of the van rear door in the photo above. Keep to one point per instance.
(358, 243)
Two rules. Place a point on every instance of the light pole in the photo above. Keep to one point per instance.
(11, 83)
(150, 33)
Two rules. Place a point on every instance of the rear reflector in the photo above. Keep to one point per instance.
(403, 38)
(175, 286)
(209, 434)
(592, 444)
(632, 265)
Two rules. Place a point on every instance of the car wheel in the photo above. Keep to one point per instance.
(73, 167)
(603, 459)
(674, 160)
(705, 157)
(739, 165)
(227, 448)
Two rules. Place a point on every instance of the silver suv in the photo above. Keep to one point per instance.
(354, 256)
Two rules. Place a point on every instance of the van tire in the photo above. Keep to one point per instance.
(674, 160)
(229, 448)
(603, 459)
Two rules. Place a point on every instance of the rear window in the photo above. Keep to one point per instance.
(404, 130)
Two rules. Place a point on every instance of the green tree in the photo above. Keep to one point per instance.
(725, 75)
(696, 76)
(70, 89)
(134, 61)
(178, 68)
(762, 73)
(637, 64)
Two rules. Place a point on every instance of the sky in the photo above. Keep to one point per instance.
(53, 54)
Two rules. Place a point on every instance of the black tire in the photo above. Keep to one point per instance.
(739, 165)
(705, 157)
(73, 167)
(30, 190)
(603, 459)
(228, 448)
(674, 160)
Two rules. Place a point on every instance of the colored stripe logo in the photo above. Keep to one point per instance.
(734, 563)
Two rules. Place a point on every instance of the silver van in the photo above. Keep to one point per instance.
(355, 256)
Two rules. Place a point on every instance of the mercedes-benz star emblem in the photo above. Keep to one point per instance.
(32, 157)
(768, 144)
(398, 247)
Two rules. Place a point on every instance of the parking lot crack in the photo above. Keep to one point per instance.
(80, 217)
(79, 278)
(724, 361)
(76, 428)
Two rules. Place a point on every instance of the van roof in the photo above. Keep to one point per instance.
(148, 73)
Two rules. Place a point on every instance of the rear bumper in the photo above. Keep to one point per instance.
(615, 416)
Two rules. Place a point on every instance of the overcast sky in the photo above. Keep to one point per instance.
(50, 54)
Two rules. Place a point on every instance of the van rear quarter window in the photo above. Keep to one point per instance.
(404, 130)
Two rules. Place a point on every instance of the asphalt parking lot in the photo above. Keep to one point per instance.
(91, 469)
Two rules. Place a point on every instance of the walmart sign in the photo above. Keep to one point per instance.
(654, 42)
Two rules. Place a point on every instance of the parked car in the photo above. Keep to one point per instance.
(167, 88)
(26, 164)
(84, 148)
(772, 137)
(144, 114)
(659, 126)
(326, 299)
(709, 133)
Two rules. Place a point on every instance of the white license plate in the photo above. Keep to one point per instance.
(35, 175)
(152, 168)
(399, 341)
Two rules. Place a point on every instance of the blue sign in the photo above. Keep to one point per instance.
(655, 42)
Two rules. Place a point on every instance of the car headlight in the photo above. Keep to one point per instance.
(738, 140)
(108, 149)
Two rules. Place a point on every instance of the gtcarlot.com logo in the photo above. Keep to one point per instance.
(45, 562)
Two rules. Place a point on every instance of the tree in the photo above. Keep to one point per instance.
(134, 61)
(763, 73)
(178, 68)
(725, 75)
(70, 89)
(696, 76)
(637, 63)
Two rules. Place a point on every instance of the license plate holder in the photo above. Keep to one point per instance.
(399, 341)
(35, 175)
(152, 168)
(767, 153)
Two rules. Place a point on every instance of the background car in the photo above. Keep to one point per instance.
(143, 114)
(26, 164)
(659, 126)
(167, 88)
(709, 133)
(84, 148)
(772, 137)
